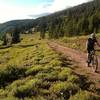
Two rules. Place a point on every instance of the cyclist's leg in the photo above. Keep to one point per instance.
(88, 57)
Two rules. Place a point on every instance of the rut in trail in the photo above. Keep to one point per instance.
(80, 59)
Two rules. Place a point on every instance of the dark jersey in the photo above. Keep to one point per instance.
(91, 43)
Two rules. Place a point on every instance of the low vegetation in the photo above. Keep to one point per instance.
(30, 70)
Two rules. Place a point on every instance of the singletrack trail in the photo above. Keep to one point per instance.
(80, 59)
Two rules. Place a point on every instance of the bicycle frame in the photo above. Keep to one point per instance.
(93, 60)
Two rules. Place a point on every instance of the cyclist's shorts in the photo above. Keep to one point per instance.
(89, 50)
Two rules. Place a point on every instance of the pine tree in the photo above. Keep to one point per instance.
(16, 35)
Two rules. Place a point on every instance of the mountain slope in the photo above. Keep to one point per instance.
(21, 24)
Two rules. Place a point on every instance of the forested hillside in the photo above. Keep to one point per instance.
(81, 19)
(8, 26)
(78, 20)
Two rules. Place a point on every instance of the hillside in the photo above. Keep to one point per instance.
(11, 25)
(78, 20)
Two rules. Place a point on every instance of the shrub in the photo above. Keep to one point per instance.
(53, 76)
(45, 60)
(25, 88)
(10, 74)
(55, 63)
(83, 95)
(41, 75)
(45, 85)
(44, 92)
(73, 79)
(66, 88)
(9, 98)
(3, 93)
(47, 69)
(63, 75)
(34, 70)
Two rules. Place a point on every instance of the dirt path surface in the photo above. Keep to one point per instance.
(80, 59)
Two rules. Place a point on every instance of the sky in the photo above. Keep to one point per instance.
(30, 9)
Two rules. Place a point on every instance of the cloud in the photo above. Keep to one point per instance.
(47, 5)
(58, 5)
(12, 12)
(41, 10)
(39, 15)
(62, 4)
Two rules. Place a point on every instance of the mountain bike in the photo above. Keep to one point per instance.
(93, 60)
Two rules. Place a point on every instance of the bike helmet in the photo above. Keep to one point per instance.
(92, 35)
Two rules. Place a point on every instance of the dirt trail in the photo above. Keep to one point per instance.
(80, 59)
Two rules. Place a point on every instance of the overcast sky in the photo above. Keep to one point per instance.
(28, 9)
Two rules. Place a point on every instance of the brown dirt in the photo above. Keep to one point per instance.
(80, 59)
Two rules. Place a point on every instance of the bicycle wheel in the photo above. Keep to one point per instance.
(89, 60)
(94, 63)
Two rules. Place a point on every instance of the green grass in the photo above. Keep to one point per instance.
(30, 70)
(83, 95)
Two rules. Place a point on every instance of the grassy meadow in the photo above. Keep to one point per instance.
(30, 70)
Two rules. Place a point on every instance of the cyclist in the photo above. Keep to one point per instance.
(90, 45)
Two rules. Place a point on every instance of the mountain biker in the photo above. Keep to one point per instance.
(90, 45)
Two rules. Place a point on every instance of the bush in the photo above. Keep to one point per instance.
(44, 92)
(10, 74)
(3, 93)
(73, 79)
(9, 98)
(63, 75)
(45, 85)
(52, 77)
(34, 70)
(55, 63)
(83, 95)
(41, 75)
(66, 88)
(24, 88)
